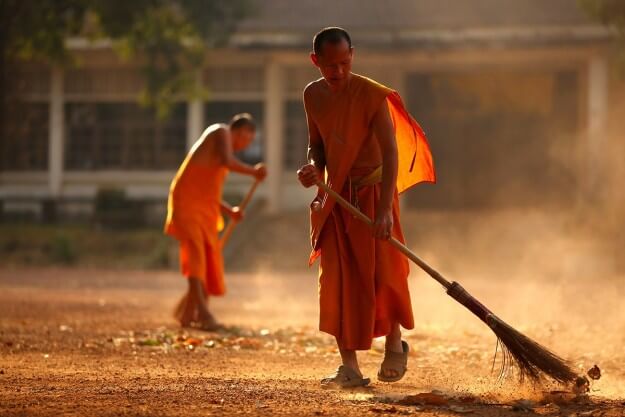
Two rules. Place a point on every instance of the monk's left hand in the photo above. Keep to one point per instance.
(236, 215)
(383, 225)
(260, 171)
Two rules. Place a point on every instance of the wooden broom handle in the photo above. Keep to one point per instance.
(402, 248)
(230, 227)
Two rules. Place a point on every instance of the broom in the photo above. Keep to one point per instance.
(230, 227)
(532, 359)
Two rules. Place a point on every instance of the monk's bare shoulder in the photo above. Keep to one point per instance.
(313, 96)
(212, 144)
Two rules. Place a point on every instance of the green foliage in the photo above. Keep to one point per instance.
(113, 210)
(33, 244)
(168, 37)
(611, 13)
(62, 251)
(158, 257)
(38, 30)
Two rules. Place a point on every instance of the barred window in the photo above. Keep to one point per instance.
(296, 135)
(222, 112)
(123, 136)
(24, 139)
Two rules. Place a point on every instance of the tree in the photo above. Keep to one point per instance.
(611, 13)
(169, 36)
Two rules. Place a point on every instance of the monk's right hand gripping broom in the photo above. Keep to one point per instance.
(532, 359)
(230, 227)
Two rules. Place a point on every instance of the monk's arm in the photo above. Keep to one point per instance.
(225, 155)
(233, 212)
(316, 153)
(225, 207)
(385, 134)
(311, 173)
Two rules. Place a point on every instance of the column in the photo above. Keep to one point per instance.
(597, 115)
(56, 134)
(274, 133)
(195, 114)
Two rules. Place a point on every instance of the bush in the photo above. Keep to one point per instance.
(114, 210)
(62, 251)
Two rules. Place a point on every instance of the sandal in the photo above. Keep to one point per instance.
(396, 361)
(344, 377)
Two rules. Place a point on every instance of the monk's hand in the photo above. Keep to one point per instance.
(260, 171)
(236, 215)
(308, 175)
(383, 224)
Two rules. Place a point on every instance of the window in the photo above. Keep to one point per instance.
(24, 140)
(296, 135)
(123, 136)
(222, 112)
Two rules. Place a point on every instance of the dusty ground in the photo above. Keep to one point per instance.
(96, 342)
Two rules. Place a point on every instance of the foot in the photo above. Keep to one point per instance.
(206, 321)
(394, 365)
(345, 377)
(184, 311)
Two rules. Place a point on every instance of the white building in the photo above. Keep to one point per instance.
(485, 78)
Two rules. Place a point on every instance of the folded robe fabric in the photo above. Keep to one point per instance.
(194, 218)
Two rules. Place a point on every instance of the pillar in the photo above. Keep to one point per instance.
(274, 134)
(195, 114)
(56, 134)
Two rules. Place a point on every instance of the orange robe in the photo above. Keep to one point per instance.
(194, 218)
(363, 285)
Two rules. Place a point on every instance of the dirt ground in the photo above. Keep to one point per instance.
(98, 342)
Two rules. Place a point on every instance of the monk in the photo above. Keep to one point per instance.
(194, 215)
(365, 145)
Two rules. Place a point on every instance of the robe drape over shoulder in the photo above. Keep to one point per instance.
(363, 287)
(194, 218)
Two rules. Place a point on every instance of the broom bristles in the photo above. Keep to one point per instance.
(531, 359)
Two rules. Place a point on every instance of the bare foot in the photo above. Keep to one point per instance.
(185, 311)
(206, 321)
(393, 344)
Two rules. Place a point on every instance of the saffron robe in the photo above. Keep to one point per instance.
(194, 218)
(363, 286)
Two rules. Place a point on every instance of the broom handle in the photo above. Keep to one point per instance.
(402, 248)
(244, 203)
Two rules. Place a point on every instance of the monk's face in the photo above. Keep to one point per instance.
(242, 138)
(334, 62)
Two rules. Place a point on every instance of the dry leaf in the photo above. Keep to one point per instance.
(581, 386)
(425, 398)
(148, 342)
(460, 410)
(467, 399)
(559, 397)
(594, 372)
(193, 341)
(523, 405)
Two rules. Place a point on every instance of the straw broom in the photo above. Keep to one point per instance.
(532, 360)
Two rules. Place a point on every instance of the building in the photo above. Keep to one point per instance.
(485, 78)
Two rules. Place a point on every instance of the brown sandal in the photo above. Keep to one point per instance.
(396, 361)
(344, 377)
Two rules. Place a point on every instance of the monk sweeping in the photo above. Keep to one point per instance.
(368, 149)
(194, 215)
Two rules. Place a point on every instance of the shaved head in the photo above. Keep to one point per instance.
(330, 35)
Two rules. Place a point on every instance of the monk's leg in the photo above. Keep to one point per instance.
(187, 309)
(199, 301)
(393, 344)
(349, 359)
(183, 312)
